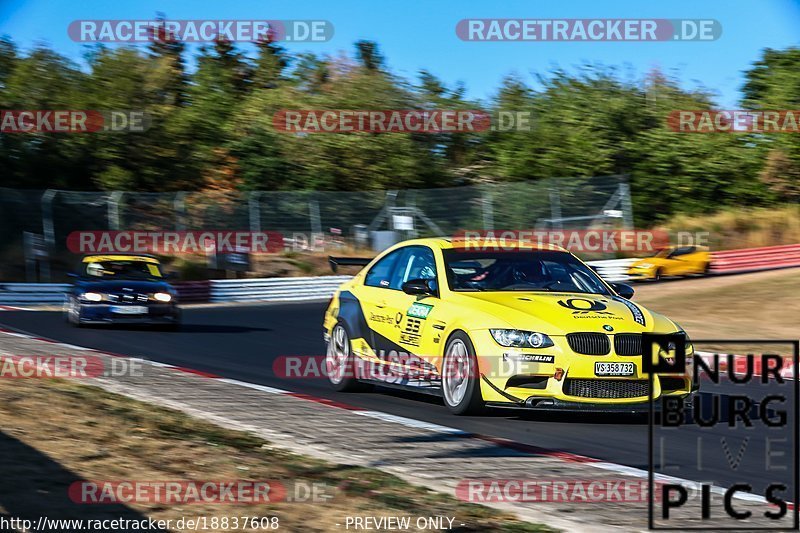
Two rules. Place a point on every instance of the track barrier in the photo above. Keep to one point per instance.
(321, 287)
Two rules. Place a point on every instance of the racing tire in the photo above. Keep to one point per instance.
(461, 387)
(706, 269)
(340, 362)
(72, 313)
(657, 275)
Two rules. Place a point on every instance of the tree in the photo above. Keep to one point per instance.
(269, 65)
(368, 55)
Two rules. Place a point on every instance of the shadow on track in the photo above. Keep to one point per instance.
(184, 328)
(510, 413)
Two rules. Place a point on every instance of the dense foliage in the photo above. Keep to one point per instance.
(212, 127)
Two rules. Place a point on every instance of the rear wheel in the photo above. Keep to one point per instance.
(339, 361)
(460, 376)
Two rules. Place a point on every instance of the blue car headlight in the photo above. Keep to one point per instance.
(92, 297)
(517, 338)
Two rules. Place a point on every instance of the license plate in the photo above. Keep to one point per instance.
(130, 310)
(614, 369)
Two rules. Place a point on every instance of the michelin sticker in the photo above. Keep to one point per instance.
(638, 316)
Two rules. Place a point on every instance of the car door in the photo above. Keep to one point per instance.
(413, 333)
(376, 293)
(677, 262)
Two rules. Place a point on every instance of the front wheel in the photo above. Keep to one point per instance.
(72, 312)
(461, 386)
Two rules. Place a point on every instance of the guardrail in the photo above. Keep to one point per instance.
(32, 293)
(755, 259)
(193, 291)
(612, 269)
(321, 287)
(275, 289)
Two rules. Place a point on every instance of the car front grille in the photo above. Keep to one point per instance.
(589, 343)
(628, 344)
(605, 388)
(128, 298)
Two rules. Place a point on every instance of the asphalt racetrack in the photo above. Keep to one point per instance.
(242, 342)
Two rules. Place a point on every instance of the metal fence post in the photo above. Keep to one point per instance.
(627, 205)
(555, 206)
(255, 211)
(179, 205)
(48, 225)
(488, 209)
(313, 210)
(114, 200)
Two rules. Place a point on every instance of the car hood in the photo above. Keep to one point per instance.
(121, 285)
(564, 312)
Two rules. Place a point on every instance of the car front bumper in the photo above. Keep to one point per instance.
(563, 379)
(102, 313)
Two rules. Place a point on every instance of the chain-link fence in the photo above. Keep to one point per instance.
(50, 216)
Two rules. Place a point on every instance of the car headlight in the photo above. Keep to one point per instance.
(92, 296)
(163, 297)
(515, 338)
(666, 354)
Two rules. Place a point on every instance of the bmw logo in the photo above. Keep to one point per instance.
(608, 328)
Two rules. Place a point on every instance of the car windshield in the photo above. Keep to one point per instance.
(128, 269)
(526, 270)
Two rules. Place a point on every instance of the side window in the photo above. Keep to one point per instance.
(682, 251)
(418, 263)
(380, 275)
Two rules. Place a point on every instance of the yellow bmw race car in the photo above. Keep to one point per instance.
(532, 327)
(672, 261)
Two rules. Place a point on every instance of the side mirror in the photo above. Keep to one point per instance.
(420, 286)
(624, 290)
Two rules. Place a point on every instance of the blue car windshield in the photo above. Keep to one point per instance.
(122, 269)
(523, 270)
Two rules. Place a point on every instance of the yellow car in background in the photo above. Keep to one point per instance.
(532, 327)
(672, 261)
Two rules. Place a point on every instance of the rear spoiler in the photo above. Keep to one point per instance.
(347, 261)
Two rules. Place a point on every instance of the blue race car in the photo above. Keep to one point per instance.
(121, 289)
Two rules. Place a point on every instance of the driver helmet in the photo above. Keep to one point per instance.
(95, 269)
